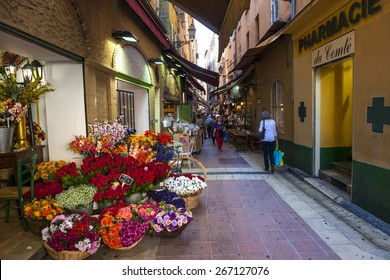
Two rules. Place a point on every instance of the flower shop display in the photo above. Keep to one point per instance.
(122, 227)
(39, 213)
(74, 236)
(71, 175)
(187, 186)
(77, 199)
(170, 221)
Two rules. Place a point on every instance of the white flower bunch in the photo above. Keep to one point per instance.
(183, 185)
(76, 196)
(115, 130)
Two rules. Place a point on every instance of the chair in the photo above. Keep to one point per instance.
(188, 153)
(25, 184)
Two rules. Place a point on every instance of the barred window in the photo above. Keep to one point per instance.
(277, 105)
(126, 107)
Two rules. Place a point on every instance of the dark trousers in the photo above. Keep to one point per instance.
(268, 153)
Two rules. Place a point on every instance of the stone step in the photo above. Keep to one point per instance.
(344, 167)
(337, 179)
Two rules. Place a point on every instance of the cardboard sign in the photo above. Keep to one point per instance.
(184, 139)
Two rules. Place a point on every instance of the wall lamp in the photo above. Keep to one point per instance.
(156, 61)
(125, 35)
(32, 71)
(191, 31)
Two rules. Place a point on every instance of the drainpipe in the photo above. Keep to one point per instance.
(293, 9)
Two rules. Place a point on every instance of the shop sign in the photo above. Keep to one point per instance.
(339, 48)
(340, 22)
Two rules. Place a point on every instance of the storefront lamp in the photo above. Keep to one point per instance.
(125, 35)
(156, 61)
(27, 72)
(37, 69)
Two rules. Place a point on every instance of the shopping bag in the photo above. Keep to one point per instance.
(278, 156)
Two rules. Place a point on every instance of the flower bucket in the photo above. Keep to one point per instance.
(6, 136)
(136, 197)
(104, 205)
(65, 255)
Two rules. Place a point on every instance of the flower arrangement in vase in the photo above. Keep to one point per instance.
(40, 212)
(77, 198)
(11, 112)
(170, 221)
(74, 232)
(121, 226)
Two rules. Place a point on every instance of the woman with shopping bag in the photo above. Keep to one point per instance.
(270, 140)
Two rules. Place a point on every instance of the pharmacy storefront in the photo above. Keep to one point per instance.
(342, 95)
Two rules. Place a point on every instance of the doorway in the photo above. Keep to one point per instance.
(333, 114)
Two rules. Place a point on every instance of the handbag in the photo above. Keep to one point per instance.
(260, 135)
(278, 156)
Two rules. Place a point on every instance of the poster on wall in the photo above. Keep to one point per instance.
(171, 89)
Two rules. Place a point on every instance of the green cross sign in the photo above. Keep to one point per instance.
(302, 111)
(378, 114)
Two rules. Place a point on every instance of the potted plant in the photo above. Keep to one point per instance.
(74, 236)
(121, 226)
(39, 213)
(170, 221)
(77, 199)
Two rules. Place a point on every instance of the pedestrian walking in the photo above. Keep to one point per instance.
(270, 141)
(219, 131)
(209, 122)
(213, 122)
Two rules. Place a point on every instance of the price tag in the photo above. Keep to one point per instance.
(126, 179)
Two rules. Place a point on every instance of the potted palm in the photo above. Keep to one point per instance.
(77, 199)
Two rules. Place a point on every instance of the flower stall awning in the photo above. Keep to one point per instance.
(205, 75)
(218, 102)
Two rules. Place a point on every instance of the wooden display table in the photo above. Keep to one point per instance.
(10, 159)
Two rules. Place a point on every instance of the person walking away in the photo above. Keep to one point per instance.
(209, 121)
(219, 129)
(270, 141)
(213, 122)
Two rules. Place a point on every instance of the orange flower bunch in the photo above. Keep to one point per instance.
(47, 170)
(42, 210)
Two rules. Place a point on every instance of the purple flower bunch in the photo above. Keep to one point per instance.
(164, 153)
(168, 197)
(75, 232)
(130, 232)
(170, 218)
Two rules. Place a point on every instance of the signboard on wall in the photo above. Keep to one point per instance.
(336, 49)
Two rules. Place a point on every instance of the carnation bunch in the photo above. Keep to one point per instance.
(75, 232)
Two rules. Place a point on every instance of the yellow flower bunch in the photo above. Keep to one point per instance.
(47, 170)
(137, 140)
(42, 209)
